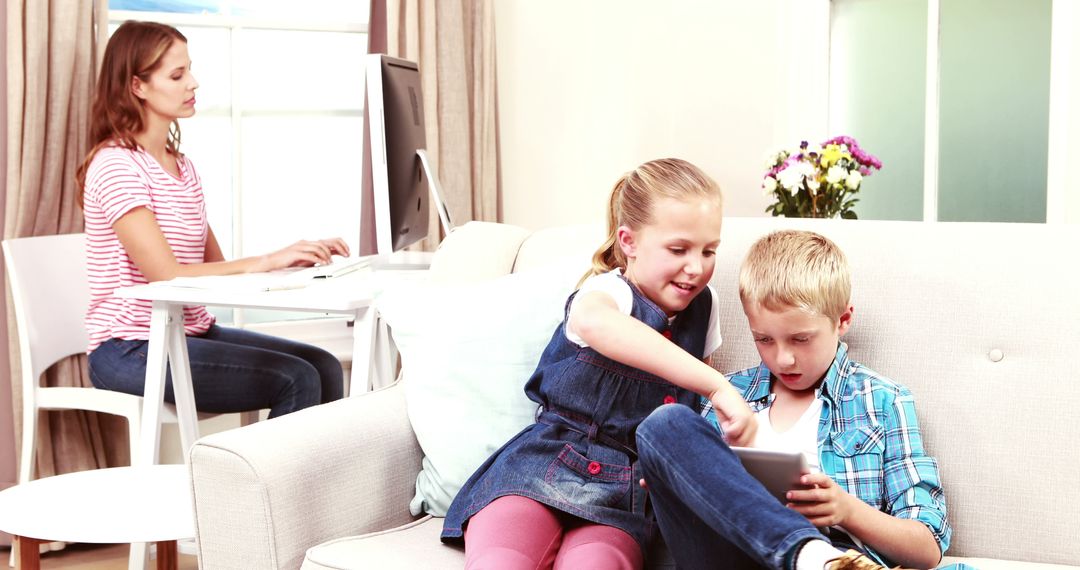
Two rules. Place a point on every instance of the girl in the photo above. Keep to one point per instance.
(146, 221)
(564, 491)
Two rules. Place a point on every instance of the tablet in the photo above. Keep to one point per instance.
(778, 471)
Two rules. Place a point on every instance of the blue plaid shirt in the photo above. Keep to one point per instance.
(868, 440)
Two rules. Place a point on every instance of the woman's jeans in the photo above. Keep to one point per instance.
(232, 370)
(711, 512)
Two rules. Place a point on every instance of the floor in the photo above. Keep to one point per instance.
(95, 557)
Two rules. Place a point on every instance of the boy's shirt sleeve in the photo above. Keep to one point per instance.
(912, 481)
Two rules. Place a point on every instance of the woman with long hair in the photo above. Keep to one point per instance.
(146, 221)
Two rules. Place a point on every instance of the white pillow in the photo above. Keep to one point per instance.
(466, 352)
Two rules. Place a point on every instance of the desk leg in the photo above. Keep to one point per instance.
(27, 553)
(183, 389)
(364, 334)
(154, 388)
(167, 343)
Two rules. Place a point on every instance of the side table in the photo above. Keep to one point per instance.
(149, 503)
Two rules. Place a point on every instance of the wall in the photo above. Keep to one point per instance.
(589, 90)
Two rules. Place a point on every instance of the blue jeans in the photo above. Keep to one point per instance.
(711, 512)
(232, 370)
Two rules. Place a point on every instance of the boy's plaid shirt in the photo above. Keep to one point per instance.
(868, 440)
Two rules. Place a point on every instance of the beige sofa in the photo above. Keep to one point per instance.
(981, 321)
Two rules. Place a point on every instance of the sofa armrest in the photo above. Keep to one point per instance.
(267, 492)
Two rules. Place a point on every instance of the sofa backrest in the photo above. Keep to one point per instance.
(977, 319)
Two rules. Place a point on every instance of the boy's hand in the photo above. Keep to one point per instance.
(736, 419)
(823, 502)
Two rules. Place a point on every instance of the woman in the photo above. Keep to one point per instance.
(146, 221)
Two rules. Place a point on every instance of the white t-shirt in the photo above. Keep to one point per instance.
(800, 437)
(612, 284)
(118, 181)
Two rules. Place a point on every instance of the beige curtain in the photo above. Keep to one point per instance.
(51, 64)
(453, 41)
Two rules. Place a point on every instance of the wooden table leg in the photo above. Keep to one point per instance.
(28, 553)
(166, 555)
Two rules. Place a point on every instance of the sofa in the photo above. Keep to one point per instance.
(977, 319)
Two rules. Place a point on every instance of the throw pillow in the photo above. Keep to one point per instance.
(466, 352)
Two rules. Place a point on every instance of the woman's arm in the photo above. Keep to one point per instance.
(595, 317)
(145, 243)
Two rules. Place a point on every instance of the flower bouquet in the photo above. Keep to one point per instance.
(818, 181)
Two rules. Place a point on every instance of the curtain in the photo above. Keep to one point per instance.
(51, 69)
(453, 42)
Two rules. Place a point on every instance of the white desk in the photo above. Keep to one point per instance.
(351, 295)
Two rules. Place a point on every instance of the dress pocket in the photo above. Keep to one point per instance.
(581, 481)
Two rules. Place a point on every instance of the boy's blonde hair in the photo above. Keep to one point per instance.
(632, 199)
(793, 268)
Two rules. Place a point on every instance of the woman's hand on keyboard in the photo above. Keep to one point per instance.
(303, 253)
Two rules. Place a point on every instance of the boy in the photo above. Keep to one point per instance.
(872, 489)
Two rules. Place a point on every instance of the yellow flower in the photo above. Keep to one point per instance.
(832, 154)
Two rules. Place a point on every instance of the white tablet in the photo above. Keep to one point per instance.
(778, 471)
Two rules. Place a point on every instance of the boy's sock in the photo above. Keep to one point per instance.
(815, 554)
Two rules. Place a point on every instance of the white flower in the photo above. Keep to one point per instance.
(813, 148)
(853, 180)
(791, 178)
(812, 183)
(835, 174)
(769, 185)
(772, 158)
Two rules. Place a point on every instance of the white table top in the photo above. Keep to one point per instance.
(122, 504)
(342, 294)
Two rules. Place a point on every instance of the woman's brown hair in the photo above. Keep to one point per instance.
(632, 199)
(116, 115)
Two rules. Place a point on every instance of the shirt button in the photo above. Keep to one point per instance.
(594, 468)
(667, 334)
(669, 399)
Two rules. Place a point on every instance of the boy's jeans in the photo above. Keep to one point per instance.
(232, 370)
(711, 512)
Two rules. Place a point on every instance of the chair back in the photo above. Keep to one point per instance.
(51, 293)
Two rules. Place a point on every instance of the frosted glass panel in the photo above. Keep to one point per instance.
(995, 92)
(301, 180)
(208, 142)
(877, 95)
(301, 70)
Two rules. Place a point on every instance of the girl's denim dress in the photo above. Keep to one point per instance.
(580, 456)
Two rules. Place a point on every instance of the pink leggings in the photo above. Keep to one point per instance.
(519, 533)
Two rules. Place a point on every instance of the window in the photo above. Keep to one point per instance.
(277, 137)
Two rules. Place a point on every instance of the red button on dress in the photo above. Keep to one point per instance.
(669, 399)
(594, 468)
(667, 334)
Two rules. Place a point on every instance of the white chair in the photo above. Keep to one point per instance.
(51, 292)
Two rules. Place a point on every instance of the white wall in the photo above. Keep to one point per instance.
(589, 90)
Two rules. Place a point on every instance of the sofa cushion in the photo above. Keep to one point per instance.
(466, 353)
(416, 545)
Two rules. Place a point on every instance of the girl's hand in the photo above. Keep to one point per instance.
(823, 502)
(738, 422)
(302, 253)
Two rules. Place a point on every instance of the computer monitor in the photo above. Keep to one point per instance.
(396, 195)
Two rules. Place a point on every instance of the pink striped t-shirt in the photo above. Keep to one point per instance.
(117, 181)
